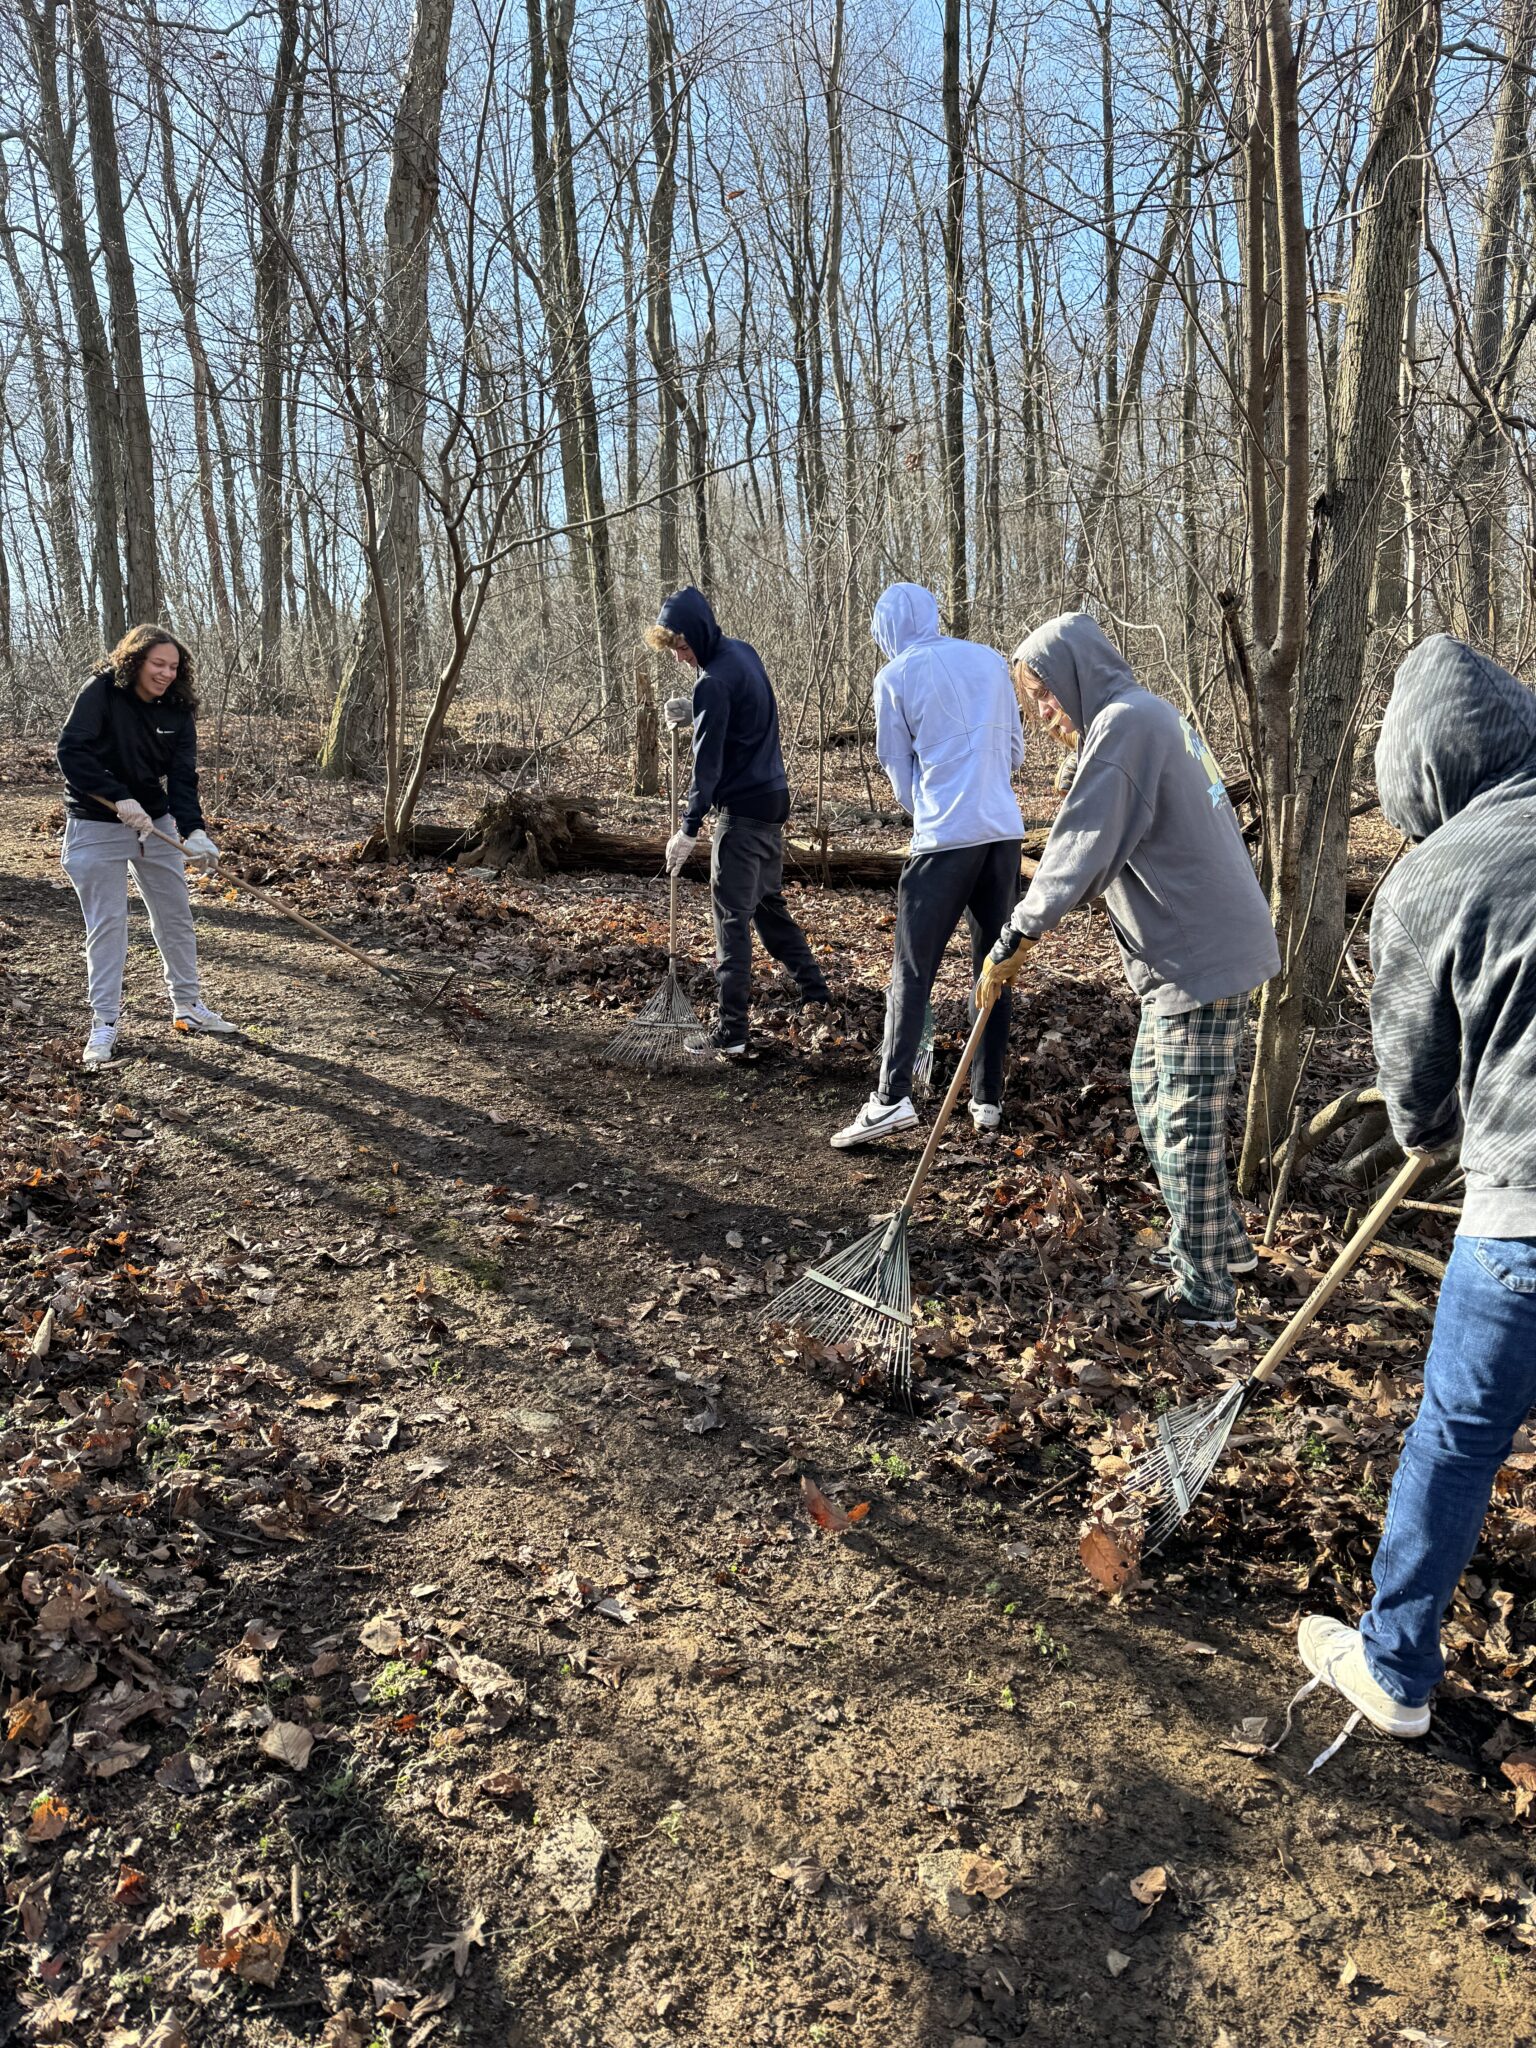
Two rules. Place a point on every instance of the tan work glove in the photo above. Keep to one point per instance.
(1003, 964)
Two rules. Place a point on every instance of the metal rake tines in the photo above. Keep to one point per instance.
(1174, 1471)
(660, 1032)
(863, 1296)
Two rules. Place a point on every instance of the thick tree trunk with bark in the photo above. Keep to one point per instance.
(366, 714)
(90, 329)
(1309, 897)
(140, 515)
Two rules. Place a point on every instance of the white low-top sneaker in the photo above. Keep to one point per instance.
(986, 1116)
(876, 1119)
(98, 1047)
(1336, 1655)
(198, 1017)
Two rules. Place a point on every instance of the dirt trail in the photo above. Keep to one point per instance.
(548, 1436)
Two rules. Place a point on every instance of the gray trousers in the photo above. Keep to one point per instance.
(980, 883)
(746, 879)
(97, 859)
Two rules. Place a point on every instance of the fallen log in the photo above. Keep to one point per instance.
(554, 835)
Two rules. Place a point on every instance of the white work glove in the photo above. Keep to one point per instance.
(679, 846)
(134, 814)
(677, 711)
(200, 851)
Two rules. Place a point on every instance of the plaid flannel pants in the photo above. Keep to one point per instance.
(1183, 1074)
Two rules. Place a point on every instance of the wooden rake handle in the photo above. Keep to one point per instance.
(672, 880)
(1402, 1181)
(282, 909)
(946, 1110)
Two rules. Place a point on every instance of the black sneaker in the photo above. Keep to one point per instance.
(1172, 1312)
(821, 1001)
(717, 1044)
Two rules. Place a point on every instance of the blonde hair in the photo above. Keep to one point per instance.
(662, 640)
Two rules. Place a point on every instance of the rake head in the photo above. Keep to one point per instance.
(658, 1035)
(863, 1296)
(1167, 1477)
(922, 1065)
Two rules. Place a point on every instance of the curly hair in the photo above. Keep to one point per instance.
(127, 658)
(662, 640)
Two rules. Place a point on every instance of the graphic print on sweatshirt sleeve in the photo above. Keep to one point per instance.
(1210, 767)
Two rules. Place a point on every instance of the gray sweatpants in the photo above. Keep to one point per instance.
(97, 858)
(980, 883)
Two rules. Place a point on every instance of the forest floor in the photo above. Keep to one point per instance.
(412, 1624)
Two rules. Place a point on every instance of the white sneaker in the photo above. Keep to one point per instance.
(198, 1017)
(986, 1116)
(876, 1119)
(98, 1047)
(1336, 1655)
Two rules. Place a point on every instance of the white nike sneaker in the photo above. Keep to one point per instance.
(198, 1017)
(98, 1047)
(986, 1116)
(876, 1119)
(1336, 1655)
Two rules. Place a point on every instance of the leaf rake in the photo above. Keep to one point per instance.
(667, 1031)
(864, 1295)
(1168, 1477)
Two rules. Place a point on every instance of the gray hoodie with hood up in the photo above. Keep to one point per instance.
(1453, 934)
(1148, 826)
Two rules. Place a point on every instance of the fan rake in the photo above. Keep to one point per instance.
(667, 1031)
(1166, 1479)
(864, 1295)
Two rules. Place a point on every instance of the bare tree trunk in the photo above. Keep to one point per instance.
(957, 597)
(62, 534)
(137, 450)
(272, 345)
(666, 129)
(1487, 457)
(90, 329)
(366, 713)
(1309, 897)
(1273, 249)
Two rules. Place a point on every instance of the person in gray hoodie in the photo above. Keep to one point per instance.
(1453, 1019)
(1148, 826)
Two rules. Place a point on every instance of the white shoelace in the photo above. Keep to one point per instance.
(1338, 1741)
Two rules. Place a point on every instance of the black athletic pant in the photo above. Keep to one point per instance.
(982, 883)
(746, 878)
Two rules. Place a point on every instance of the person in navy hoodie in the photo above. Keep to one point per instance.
(738, 773)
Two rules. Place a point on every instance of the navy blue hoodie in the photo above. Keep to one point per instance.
(115, 745)
(738, 764)
(1453, 934)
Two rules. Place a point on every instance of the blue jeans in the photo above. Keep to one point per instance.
(1479, 1386)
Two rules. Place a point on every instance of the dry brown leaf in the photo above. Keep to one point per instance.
(1520, 1769)
(1147, 1889)
(1108, 1556)
(470, 1935)
(803, 1874)
(287, 1742)
(381, 1635)
(50, 1817)
(982, 1877)
(30, 1721)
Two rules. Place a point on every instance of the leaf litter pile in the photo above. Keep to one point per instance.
(159, 1474)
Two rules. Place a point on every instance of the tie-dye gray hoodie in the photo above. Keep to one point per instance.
(1148, 826)
(1453, 934)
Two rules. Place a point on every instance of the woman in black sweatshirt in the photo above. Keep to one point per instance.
(128, 752)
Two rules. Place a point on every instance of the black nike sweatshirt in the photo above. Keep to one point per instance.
(115, 745)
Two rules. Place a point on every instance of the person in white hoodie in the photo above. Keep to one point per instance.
(949, 736)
